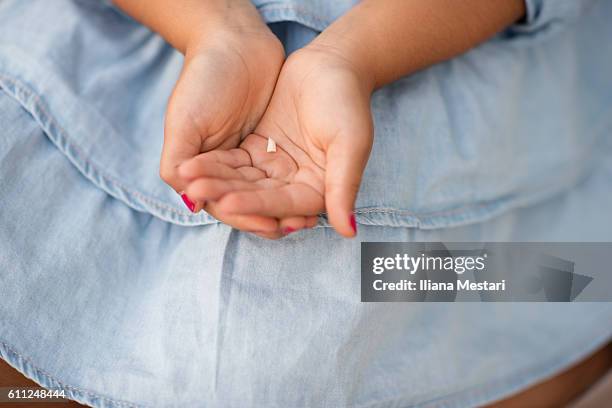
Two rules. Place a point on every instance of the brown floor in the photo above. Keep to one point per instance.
(565, 387)
(9, 377)
(554, 392)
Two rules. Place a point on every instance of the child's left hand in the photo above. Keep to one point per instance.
(320, 119)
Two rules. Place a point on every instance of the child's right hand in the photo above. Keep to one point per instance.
(227, 80)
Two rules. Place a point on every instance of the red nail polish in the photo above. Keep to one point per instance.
(188, 202)
(288, 230)
(353, 223)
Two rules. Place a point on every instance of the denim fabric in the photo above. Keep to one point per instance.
(439, 133)
(108, 294)
(552, 15)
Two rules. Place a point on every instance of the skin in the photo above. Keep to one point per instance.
(316, 108)
(323, 144)
(226, 43)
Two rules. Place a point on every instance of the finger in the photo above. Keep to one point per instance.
(269, 235)
(290, 225)
(247, 223)
(277, 164)
(251, 173)
(170, 171)
(199, 206)
(206, 164)
(293, 224)
(217, 164)
(281, 202)
(210, 189)
(192, 170)
(173, 154)
(345, 163)
(312, 221)
(195, 206)
(182, 141)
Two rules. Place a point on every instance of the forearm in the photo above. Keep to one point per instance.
(388, 39)
(182, 21)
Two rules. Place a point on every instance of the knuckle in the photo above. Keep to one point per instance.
(166, 174)
(231, 203)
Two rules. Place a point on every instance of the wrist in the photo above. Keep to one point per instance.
(183, 23)
(221, 19)
(340, 53)
(231, 24)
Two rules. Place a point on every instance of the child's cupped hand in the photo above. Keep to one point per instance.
(224, 88)
(320, 118)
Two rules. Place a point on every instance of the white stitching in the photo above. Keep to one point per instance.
(42, 373)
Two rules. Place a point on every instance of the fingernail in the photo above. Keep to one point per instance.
(188, 202)
(288, 230)
(353, 223)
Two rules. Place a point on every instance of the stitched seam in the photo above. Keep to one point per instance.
(40, 105)
(42, 373)
(82, 156)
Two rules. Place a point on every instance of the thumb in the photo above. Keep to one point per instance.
(345, 163)
(174, 153)
(181, 143)
(183, 138)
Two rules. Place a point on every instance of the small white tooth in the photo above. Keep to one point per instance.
(271, 146)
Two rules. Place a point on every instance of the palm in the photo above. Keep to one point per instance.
(315, 108)
(220, 97)
(269, 182)
(223, 91)
(285, 183)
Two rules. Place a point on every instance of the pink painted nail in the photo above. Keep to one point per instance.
(353, 223)
(288, 230)
(188, 202)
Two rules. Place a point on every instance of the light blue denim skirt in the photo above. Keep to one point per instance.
(112, 291)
